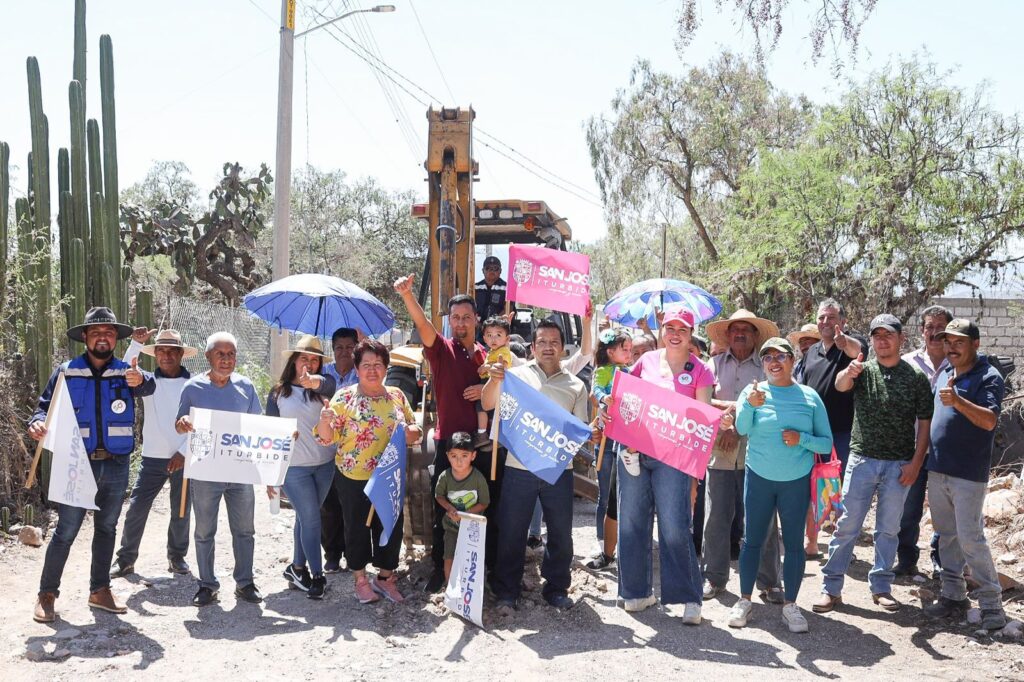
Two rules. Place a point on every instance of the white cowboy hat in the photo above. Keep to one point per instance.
(170, 338)
(310, 344)
(717, 331)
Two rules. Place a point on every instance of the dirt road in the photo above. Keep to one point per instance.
(291, 637)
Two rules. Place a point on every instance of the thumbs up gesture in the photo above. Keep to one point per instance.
(307, 380)
(756, 396)
(948, 394)
(855, 367)
(841, 339)
(403, 285)
(133, 377)
(326, 414)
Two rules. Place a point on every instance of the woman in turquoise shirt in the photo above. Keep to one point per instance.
(786, 424)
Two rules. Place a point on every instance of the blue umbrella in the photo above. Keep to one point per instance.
(641, 300)
(318, 304)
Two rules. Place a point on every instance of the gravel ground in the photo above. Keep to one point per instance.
(297, 638)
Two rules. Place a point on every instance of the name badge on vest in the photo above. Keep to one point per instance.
(118, 406)
(685, 379)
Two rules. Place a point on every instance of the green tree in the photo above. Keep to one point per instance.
(908, 185)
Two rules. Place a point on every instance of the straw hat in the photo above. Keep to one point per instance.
(307, 344)
(718, 331)
(170, 338)
(809, 330)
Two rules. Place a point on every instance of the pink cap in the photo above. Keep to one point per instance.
(684, 316)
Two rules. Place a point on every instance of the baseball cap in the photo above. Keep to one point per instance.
(777, 343)
(684, 316)
(960, 327)
(492, 260)
(887, 321)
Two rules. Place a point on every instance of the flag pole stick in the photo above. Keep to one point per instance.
(369, 517)
(184, 497)
(600, 451)
(494, 445)
(57, 390)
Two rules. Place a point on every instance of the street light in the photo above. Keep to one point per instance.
(283, 165)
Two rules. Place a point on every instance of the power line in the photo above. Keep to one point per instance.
(431, 49)
(263, 12)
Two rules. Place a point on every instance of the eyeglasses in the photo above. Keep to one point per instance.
(775, 357)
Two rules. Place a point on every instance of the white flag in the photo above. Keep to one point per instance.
(232, 447)
(465, 593)
(71, 479)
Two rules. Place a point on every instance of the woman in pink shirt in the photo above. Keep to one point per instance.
(646, 485)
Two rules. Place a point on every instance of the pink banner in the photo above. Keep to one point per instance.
(663, 424)
(557, 280)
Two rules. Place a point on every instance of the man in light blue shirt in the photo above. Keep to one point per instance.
(221, 389)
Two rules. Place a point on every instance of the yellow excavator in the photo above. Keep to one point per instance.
(457, 224)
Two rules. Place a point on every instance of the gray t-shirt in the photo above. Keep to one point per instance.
(306, 414)
(237, 395)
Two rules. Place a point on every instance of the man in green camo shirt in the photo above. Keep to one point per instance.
(885, 458)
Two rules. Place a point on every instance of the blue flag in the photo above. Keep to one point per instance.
(540, 433)
(386, 487)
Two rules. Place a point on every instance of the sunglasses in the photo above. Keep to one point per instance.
(775, 357)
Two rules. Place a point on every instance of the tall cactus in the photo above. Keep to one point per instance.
(63, 212)
(79, 160)
(96, 244)
(78, 67)
(144, 318)
(111, 198)
(23, 299)
(77, 278)
(43, 324)
(5, 197)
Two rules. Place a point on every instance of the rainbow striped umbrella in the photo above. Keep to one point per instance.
(643, 299)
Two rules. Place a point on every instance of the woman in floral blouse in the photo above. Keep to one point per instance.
(360, 420)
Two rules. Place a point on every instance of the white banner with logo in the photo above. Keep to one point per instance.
(465, 593)
(231, 447)
(71, 479)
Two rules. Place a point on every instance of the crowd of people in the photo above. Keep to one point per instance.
(905, 426)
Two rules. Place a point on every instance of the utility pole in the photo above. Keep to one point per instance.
(283, 168)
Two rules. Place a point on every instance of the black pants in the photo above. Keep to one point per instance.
(362, 544)
(332, 524)
(483, 463)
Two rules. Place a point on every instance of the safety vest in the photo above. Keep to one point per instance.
(104, 405)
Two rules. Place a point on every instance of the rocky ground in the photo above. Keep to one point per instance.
(292, 637)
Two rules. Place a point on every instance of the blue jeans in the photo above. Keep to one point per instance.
(604, 476)
(841, 442)
(240, 502)
(307, 488)
(520, 491)
(662, 489)
(866, 477)
(762, 499)
(956, 505)
(111, 481)
(725, 488)
(152, 475)
(910, 525)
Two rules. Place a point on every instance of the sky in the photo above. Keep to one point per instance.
(196, 80)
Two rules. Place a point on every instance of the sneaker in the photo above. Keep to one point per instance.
(178, 566)
(534, 541)
(317, 586)
(886, 601)
(600, 561)
(559, 601)
(481, 441)
(44, 612)
(119, 571)
(103, 599)
(944, 607)
(205, 596)
(993, 619)
(636, 605)
(364, 593)
(739, 616)
(249, 593)
(792, 617)
(691, 614)
(297, 577)
(773, 595)
(436, 582)
(630, 462)
(387, 588)
(826, 602)
(712, 590)
(333, 566)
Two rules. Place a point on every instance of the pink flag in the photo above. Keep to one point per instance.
(670, 427)
(557, 280)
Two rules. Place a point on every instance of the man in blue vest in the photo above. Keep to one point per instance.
(103, 391)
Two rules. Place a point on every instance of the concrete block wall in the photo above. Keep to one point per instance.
(1001, 321)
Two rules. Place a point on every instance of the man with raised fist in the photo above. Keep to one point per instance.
(967, 406)
(886, 454)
